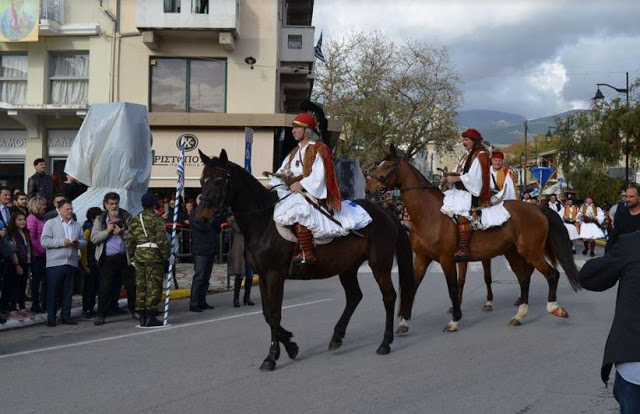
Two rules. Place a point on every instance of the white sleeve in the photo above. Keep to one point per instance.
(472, 180)
(275, 180)
(510, 192)
(315, 183)
(600, 215)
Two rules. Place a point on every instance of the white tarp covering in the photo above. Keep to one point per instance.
(112, 152)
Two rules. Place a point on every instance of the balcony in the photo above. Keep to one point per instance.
(296, 44)
(53, 21)
(191, 15)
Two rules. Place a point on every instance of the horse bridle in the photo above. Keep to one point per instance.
(394, 171)
(224, 203)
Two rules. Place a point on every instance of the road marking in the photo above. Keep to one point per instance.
(148, 332)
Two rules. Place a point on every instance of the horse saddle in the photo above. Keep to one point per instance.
(287, 233)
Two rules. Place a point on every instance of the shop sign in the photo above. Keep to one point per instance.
(190, 144)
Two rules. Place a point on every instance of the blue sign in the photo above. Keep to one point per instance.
(542, 174)
(248, 139)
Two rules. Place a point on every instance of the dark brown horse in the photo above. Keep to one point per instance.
(529, 235)
(227, 185)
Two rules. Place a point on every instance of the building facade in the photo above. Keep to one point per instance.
(206, 70)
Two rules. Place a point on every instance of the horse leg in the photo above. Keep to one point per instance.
(274, 286)
(420, 265)
(462, 277)
(523, 271)
(449, 268)
(553, 276)
(353, 294)
(383, 277)
(486, 267)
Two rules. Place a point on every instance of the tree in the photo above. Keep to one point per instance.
(386, 92)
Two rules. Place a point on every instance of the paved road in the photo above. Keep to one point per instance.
(208, 362)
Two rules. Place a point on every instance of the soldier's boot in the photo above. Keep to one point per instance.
(143, 317)
(305, 239)
(152, 320)
(236, 291)
(464, 239)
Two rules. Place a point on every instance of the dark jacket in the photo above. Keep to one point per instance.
(205, 239)
(621, 265)
(624, 223)
(40, 184)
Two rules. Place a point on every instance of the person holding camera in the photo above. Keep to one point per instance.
(109, 237)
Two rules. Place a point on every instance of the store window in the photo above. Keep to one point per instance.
(12, 173)
(172, 6)
(188, 85)
(69, 78)
(200, 6)
(13, 79)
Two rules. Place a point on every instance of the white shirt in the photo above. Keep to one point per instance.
(66, 225)
(314, 184)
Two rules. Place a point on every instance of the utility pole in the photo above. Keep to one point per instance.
(526, 156)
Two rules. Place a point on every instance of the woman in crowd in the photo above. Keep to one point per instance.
(18, 266)
(37, 206)
(89, 267)
(238, 266)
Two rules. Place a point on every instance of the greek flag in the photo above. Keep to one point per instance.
(318, 50)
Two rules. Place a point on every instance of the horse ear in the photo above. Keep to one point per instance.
(223, 156)
(392, 150)
(203, 157)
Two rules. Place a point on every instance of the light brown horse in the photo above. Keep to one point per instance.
(530, 234)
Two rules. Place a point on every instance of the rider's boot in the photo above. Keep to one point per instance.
(464, 239)
(306, 254)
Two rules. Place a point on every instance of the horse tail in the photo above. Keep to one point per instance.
(404, 257)
(559, 247)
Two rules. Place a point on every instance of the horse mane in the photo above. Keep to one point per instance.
(247, 183)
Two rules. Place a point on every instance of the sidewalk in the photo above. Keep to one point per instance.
(184, 277)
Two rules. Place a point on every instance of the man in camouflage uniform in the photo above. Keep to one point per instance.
(148, 248)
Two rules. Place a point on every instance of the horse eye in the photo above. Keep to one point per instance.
(206, 180)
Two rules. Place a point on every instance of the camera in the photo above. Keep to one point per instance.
(119, 224)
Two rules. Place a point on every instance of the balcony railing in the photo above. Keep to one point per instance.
(53, 10)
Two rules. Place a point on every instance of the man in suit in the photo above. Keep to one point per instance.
(622, 266)
(5, 214)
(62, 238)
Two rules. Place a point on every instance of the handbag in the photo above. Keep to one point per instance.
(7, 248)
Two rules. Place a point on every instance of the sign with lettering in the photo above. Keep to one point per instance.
(59, 141)
(13, 142)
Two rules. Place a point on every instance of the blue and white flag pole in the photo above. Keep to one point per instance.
(174, 243)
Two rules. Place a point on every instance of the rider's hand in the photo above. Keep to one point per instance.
(296, 187)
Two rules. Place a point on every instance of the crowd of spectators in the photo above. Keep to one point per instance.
(47, 253)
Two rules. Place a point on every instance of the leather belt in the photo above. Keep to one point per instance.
(149, 244)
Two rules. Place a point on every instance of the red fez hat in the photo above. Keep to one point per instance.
(589, 195)
(497, 154)
(305, 120)
(472, 134)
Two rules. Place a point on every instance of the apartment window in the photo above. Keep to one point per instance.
(69, 78)
(13, 79)
(188, 85)
(295, 41)
(200, 6)
(172, 6)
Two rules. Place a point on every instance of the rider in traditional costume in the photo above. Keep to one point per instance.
(471, 188)
(592, 218)
(569, 214)
(501, 178)
(315, 207)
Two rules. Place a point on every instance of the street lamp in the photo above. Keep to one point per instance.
(549, 135)
(599, 96)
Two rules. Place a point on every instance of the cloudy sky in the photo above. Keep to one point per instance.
(531, 57)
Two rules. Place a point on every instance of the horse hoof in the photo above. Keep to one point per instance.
(383, 350)
(335, 344)
(518, 302)
(268, 365)
(560, 312)
(292, 349)
(450, 328)
(487, 308)
(515, 322)
(402, 329)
